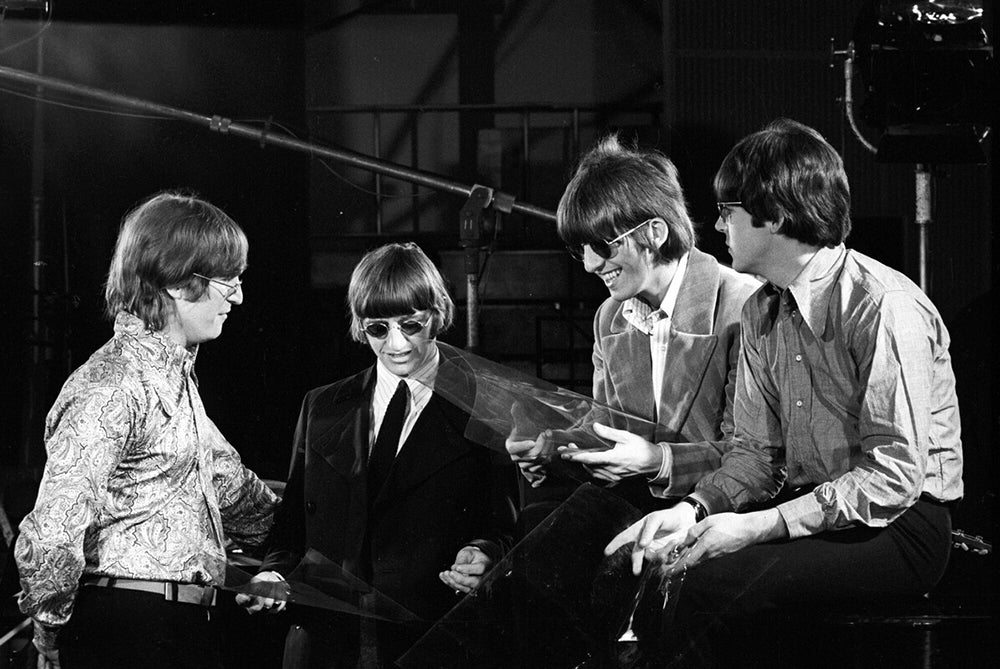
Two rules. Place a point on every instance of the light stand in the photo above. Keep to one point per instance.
(923, 175)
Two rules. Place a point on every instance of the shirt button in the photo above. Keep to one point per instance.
(798, 358)
(798, 403)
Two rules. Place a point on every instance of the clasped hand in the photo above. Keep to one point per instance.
(256, 603)
(467, 572)
(661, 532)
(630, 455)
(531, 455)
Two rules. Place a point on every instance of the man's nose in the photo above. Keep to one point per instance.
(591, 261)
(395, 337)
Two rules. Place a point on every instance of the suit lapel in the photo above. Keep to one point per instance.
(632, 381)
(341, 425)
(692, 341)
(436, 440)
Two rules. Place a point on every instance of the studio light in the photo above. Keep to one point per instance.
(929, 78)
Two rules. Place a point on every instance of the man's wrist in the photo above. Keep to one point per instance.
(44, 637)
(700, 510)
(772, 526)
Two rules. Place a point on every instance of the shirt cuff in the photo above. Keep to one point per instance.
(712, 498)
(804, 515)
(662, 478)
(45, 636)
(490, 548)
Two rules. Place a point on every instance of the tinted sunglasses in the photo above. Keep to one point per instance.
(604, 249)
(380, 329)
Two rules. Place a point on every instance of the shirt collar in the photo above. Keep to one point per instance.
(163, 349)
(642, 316)
(423, 376)
(813, 287)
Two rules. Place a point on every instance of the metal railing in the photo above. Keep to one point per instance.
(529, 118)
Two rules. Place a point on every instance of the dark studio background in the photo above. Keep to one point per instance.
(690, 77)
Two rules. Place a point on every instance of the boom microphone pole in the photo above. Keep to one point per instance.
(479, 198)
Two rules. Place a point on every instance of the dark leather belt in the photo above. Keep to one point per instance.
(185, 593)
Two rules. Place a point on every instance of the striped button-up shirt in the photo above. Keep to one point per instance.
(845, 383)
(421, 386)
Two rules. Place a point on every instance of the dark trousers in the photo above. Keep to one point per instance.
(813, 576)
(113, 628)
(340, 642)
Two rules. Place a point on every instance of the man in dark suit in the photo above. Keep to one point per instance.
(383, 481)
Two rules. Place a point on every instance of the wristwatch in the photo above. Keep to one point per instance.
(700, 512)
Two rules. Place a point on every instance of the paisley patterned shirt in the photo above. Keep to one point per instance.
(139, 483)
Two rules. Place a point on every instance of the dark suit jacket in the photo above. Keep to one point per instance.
(442, 493)
(700, 375)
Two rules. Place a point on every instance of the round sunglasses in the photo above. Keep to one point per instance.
(604, 249)
(380, 329)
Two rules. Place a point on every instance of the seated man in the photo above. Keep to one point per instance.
(846, 453)
(383, 481)
(666, 341)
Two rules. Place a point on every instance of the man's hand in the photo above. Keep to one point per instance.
(726, 533)
(467, 572)
(47, 659)
(630, 455)
(531, 455)
(658, 532)
(255, 603)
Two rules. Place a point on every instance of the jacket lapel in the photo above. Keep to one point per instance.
(339, 433)
(436, 440)
(632, 381)
(692, 341)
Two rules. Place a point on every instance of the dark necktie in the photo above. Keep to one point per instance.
(387, 441)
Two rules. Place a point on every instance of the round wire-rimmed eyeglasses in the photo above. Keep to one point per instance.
(231, 288)
(380, 329)
(726, 210)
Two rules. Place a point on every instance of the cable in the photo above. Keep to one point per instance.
(77, 107)
(48, 21)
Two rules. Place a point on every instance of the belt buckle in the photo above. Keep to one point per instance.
(182, 593)
(208, 596)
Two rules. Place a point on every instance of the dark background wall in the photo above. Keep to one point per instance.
(687, 77)
(99, 162)
(549, 76)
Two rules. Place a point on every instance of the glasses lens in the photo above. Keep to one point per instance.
(601, 248)
(378, 329)
(726, 209)
(411, 327)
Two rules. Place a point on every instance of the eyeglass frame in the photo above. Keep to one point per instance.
(399, 326)
(725, 210)
(576, 250)
(231, 288)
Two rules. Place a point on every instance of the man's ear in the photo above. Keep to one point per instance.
(774, 227)
(659, 230)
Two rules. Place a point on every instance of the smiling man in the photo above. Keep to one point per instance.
(666, 341)
(383, 481)
(121, 558)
